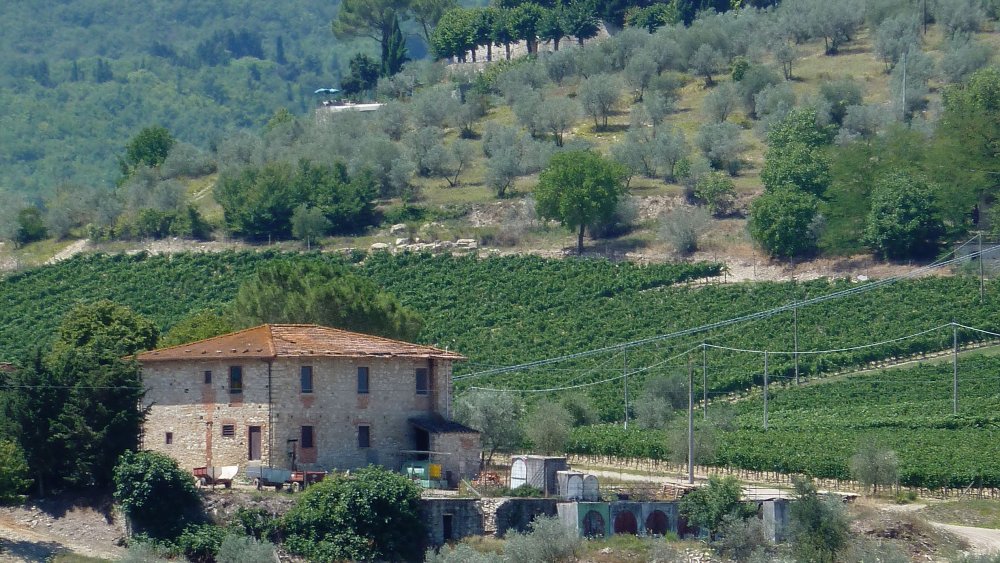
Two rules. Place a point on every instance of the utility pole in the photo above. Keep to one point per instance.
(625, 378)
(954, 367)
(704, 382)
(765, 389)
(795, 339)
(690, 423)
(903, 108)
(982, 277)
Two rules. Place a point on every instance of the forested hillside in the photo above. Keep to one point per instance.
(787, 121)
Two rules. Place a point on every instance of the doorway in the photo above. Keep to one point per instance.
(254, 440)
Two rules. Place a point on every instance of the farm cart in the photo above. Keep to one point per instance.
(302, 479)
(268, 476)
(215, 475)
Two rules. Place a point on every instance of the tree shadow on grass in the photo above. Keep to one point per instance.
(29, 551)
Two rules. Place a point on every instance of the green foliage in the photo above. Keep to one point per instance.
(373, 514)
(801, 125)
(741, 539)
(362, 76)
(967, 137)
(798, 166)
(260, 202)
(236, 549)
(199, 326)
(377, 19)
(548, 428)
(818, 525)
(30, 226)
(150, 147)
(717, 192)
(157, 495)
(75, 412)
(579, 188)
(904, 220)
(200, 542)
(653, 17)
(526, 491)
(255, 522)
(14, 472)
(289, 292)
(681, 228)
(548, 541)
(874, 465)
(781, 222)
(496, 415)
(106, 327)
(707, 506)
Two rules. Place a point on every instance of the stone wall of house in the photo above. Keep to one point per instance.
(194, 413)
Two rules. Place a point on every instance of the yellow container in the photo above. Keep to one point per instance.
(435, 471)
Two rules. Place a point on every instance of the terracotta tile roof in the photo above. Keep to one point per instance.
(284, 341)
(7, 368)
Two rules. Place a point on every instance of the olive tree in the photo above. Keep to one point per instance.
(496, 415)
(599, 96)
(963, 57)
(719, 103)
(722, 144)
(875, 465)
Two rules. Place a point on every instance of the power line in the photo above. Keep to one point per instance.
(735, 320)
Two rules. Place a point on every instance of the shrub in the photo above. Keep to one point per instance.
(236, 549)
(782, 222)
(741, 538)
(155, 493)
(373, 514)
(255, 522)
(717, 192)
(13, 472)
(681, 228)
(548, 542)
(708, 506)
(200, 543)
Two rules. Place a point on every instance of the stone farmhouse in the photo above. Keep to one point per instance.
(305, 397)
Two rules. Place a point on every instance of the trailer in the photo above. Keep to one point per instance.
(215, 475)
(302, 479)
(268, 477)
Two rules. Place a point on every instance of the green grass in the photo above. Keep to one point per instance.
(979, 513)
(74, 558)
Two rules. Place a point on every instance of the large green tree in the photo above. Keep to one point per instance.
(578, 189)
(496, 415)
(968, 143)
(149, 147)
(904, 221)
(781, 221)
(259, 202)
(428, 13)
(296, 292)
(371, 515)
(76, 410)
(370, 18)
(798, 165)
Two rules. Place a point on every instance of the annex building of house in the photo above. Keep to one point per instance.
(304, 397)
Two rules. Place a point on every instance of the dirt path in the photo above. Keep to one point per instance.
(68, 252)
(981, 540)
(37, 532)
